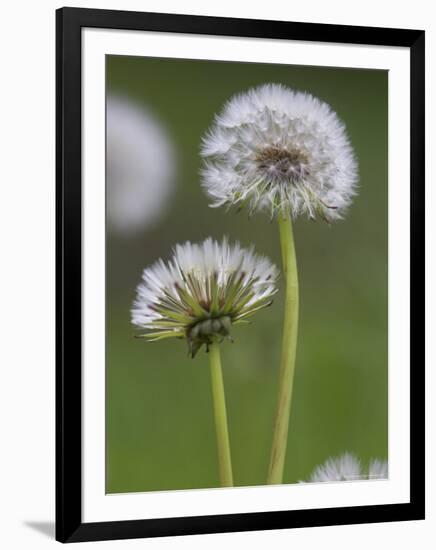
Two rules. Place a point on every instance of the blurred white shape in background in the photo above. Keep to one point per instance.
(140, 163)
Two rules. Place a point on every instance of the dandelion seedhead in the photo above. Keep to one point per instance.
(202, 292)
(140, 166)
(347, 467)
(281, 151)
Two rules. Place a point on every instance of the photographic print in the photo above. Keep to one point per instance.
(240, 265)
(246, 274)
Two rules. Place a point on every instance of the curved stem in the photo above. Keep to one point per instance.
(289, 347)
(219, 405)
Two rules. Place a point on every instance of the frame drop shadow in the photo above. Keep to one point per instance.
(46, 528)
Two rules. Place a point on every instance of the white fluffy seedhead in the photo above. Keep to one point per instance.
(140, 166)
(378, 469)
(282, 151)
(202, 291)
(347, 467)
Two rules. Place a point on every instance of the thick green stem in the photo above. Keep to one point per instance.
(289, 347)
(219, 405)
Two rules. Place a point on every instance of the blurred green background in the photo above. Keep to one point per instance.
(160, 431)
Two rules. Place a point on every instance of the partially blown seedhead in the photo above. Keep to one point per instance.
(202, 292)
(282, 151)
(347, 467)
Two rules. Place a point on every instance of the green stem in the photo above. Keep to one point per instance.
(289, 347)
(219, 405)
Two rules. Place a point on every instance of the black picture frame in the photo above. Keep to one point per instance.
(69, 525)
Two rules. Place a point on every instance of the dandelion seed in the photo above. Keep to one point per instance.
(202, 292)
(140, 166)
(348, 467)
(278, 150)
